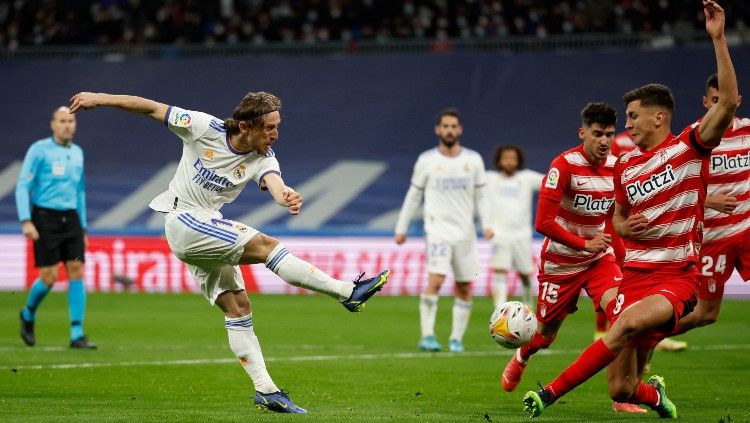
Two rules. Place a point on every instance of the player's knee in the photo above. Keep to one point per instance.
(710, 317)
(258, 249)
(48, 275)
(626, 327)
(74, 269)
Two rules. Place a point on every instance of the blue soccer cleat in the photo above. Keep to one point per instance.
(277, 402)
(455, 345)
(364, 289)
(429, 343)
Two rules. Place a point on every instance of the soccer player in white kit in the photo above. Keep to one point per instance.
(451, 180)
(510, 191)
(219, 157)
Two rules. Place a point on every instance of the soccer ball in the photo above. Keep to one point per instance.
(512, 324)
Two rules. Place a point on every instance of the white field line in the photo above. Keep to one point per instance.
(303, 358)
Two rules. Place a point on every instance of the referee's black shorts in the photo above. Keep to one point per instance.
(60, 236)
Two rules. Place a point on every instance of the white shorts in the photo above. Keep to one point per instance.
(514, 253)
(210, 246)
(461, 256)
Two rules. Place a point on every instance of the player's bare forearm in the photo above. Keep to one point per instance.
(129, 103)
(283, 195)
(719, 117)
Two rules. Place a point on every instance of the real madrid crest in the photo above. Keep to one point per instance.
(239, 171)
(208, 154)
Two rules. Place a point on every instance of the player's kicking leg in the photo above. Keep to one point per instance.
(295, 271)
(650, 312)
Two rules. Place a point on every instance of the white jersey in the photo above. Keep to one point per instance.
(211, 173)
(449, 185)
(510, 199)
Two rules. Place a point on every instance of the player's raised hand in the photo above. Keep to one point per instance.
(598, 244)
(715, 18)
(293, 200)
(84, 100)
(636, 225)
(488, 233)
(399, 238)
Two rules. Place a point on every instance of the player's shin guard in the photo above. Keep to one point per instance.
(36, 294)
(300, 273)
(76, 307)
(428, 305)
(593, 359)
(461, 315)
(537, 342)
(245, 345)
(499, 288)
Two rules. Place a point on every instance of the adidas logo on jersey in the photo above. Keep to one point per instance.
(725, 162)
(587, 202)
(639, 190)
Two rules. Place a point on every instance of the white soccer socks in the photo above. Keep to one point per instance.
(499, 288)
(303, 274)
(428, 305)
(245, 345)
(461, 314)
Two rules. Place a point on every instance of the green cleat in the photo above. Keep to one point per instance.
(666, 409)
(536, 402)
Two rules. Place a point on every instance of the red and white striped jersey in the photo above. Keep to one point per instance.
(622, 144)
(729, 170)
(668, 186)
(584, 191)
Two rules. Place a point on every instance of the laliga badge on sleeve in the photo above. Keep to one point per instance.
(552, 178)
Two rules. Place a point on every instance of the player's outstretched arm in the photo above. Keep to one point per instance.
(717, 119)
(129, 103)
(282, 194)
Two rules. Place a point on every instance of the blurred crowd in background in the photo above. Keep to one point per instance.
(118, 22)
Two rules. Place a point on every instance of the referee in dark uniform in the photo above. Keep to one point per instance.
(51, 203)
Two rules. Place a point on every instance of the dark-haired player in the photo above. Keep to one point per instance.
(510, 191)
(574, 204)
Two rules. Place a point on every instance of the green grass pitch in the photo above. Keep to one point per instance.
(165, 358)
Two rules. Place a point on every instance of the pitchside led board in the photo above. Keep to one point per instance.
(145, 264)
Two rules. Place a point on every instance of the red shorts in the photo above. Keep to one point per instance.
(558, 298)
(718, 261)
(678, 286)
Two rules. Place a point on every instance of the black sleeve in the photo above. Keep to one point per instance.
(697, 145)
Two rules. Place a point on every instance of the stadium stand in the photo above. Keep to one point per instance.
(106, 22)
